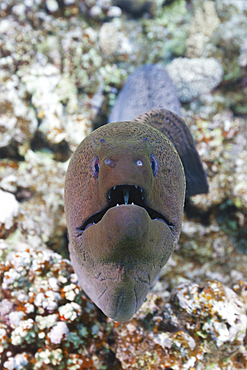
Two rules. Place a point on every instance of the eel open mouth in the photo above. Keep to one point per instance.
(123, 195)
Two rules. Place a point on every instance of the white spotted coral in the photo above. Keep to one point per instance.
(46, 308)
(196, 76)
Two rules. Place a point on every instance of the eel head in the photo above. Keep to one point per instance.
(124, 199)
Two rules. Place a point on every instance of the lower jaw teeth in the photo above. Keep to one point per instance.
(117, 205)
(91, 224)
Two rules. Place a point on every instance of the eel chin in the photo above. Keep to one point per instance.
(125, 253)
(119, 293)
(120, 251)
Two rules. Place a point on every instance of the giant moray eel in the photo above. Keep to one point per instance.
(149, 87)
(124, 198)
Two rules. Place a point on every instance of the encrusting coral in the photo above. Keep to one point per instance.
(54, 82)
(202, 27)
(193, 77)
(55, 326)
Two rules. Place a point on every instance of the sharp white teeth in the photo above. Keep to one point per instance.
(142, 190)
(117, 205)
(136, 186)
(132, 203)
(114, 187)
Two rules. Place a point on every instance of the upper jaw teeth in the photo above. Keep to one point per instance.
(125, 194)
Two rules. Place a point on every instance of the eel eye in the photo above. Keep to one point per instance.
(154, 164)
(95, 167)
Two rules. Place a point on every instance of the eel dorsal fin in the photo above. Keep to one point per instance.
(177, 131)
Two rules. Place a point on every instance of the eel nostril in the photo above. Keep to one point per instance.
(109, 163)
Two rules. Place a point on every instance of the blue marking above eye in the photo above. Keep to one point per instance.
(95, 167)
(154, 164)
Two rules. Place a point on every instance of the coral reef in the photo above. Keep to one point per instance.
(193, 77)
(111, 40)
(243, 54)
(55, 326)
(223, 147)
(60, 72)
(202, 27)
(100, 9)
(47, 309)
(39, 180)
(230, 36)
(18, 122)
(8, 211)
(177, 326)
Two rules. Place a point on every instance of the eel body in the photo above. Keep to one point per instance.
(124, 197)
(149, 87)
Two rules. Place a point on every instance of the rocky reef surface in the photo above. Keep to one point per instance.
(62, 64)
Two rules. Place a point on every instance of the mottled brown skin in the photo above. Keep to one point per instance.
(148, 87)
(119, 258)
(176, 130)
